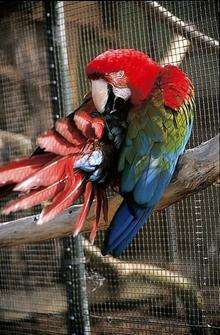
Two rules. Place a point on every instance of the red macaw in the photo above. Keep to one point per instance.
(129, 132)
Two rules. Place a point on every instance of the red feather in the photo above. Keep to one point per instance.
(53, 142)
(48, 175)
(99, 126)
(68, 130)
(176, 86)
(136, 66)
(17, 171)
(83, 122)
(91, 127)
(72, 191)
(88, 198)
(33, 198)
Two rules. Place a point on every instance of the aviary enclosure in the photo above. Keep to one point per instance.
(167, 282)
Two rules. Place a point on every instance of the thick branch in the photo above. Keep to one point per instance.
(184, 28)
(177, 51)
(197, 169)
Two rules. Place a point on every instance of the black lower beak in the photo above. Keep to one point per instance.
(115, 117)
(114, 103)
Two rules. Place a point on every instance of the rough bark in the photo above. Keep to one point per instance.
(197, 169)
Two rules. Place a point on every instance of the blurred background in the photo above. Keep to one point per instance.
(65, 286)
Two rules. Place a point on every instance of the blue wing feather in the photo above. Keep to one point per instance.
(124, 227)
(146, 191)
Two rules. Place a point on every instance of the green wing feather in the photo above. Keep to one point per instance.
(156, 136)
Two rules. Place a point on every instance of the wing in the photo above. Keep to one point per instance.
(68, 159)
(156, 137)
(68, 137)
(87, 102)
(157, 134)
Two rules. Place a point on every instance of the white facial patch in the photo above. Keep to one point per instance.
(123, 93)
(99, 94)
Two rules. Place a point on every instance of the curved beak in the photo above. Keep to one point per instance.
(99, 94)
(108, 99)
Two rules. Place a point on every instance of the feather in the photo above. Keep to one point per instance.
(17, 171)
(127, 181)
(135, 226)
(83, 122)
(123, 228)
(91, 127)
(48, 175)
(176, 86)
(33, 198)
(88, 198)
(69, 131)
(98, 125)
(53, 142)
(71, 192)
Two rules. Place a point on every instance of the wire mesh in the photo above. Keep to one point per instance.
(166, 282)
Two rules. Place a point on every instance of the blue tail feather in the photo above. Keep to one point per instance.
(136, 227)
(124, 226)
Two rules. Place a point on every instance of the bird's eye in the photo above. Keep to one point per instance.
(120, 74)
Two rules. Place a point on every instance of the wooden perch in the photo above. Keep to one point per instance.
(184, 28)
(197, 169)
(177, 51)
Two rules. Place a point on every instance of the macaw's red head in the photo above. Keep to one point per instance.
(120, 75)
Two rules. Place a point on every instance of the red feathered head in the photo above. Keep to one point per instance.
(126, 68)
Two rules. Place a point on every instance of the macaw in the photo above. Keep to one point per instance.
(128, 133)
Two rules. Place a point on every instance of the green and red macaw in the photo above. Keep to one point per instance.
(129, 132)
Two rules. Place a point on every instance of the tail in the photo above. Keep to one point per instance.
(124, 226)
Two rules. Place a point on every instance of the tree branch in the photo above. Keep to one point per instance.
(186, 29)
(177, 51)
(197, 169)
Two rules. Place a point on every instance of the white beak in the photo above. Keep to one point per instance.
(99, 94)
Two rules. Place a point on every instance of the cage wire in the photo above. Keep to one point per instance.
(166, 282)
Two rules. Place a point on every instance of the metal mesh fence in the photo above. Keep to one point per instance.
(166, 282)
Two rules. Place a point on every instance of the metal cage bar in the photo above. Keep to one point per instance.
(74, 261)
